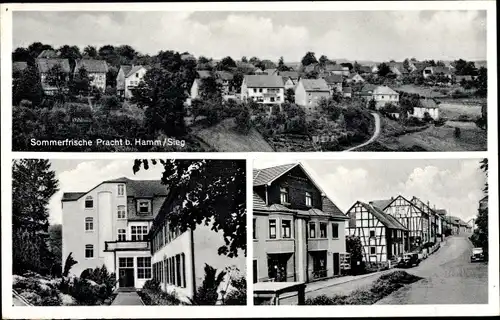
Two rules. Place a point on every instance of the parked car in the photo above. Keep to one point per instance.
(409, 260)
(477, 255)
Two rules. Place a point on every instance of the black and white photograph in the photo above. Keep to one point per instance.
(249, 81)
(364, 232)
(128, 233)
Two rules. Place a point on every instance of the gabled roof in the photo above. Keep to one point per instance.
(425, 205)
(429, 103)
(384, 90)
(268, 175)
(334, 78)
(135, 188)
(48, 54)
(263, 81)
(368, 88)
(381, 204)
(19, 66)
(126, 69)
(440, 70)
(44, 65)
(271, 72)
(92, 65)
(441, 212)
(386, 219)
(224, 75)
(314, 85)
(134, 69)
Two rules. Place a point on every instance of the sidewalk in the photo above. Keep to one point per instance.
(127, 299)
(322, 284)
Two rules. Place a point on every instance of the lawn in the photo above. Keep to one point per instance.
(450, 110)
(224, 137)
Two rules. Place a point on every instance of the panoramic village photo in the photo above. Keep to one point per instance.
(125, 232)
(363, 232)
(241, 81)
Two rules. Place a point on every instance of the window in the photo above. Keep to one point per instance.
(284, 195)
(137, 75)
(126, 262)
(122, 235)
(309, 199)
(335, 230)
(278, 98)
(183, 262)
(139, 233)
(254, 228)
(144, 206)
(373, 250)
(89, 224)
(144, 267)
(372, 233)
(120, 212)
(260, 90)
(312, 230)
(255, 275)
(272, 228)
(178, 270)
(286, 229)
(89, 202)
(121, 189)
(322, 229)
(272, 99)
(89, 251)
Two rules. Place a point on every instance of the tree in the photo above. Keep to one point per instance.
(111, 76)
(237, 81)
(372, 105)
(481, 82)
(57, 77)
(465, 68)
(244, 59)
(80, 84)
(162, 93)
(207, 293)
(312, 75)
(290, 95)
(126, 51)
(323, 60)
(55, 241)
(33, 184)
(243, 120)
(281, 65)
(210, 89)
(203, 60)
(348, 65)
(330, 108)
(308, 59)
(70, 262)
(226, 64)
(356, 67)
(37, 47)
(406, 64)
(22, 54)
(72, 53)
(27, 86)
(355, 248)
(480, 236)
(213, 193)
(384, 69)
(90, 51)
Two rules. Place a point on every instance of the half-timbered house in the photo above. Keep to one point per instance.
(298, 232)
(412, 217)
(432, 216)
(382, 235)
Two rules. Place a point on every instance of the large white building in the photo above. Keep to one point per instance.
(128, 78)
(263, 89)
(109, 225)
(96, 70)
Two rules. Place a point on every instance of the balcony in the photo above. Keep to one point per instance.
(111, 246)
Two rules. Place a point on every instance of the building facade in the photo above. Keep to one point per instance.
(309, 92)
(109, 225)
(128, 79)
(96, 70)
(263, 89)
(383, 95)
(382, 236)
(44, 66)
(298, 233)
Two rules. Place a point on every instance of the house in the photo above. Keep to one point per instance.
(426, 106)
(188, 57)
(128, 79)
(19, 66)
(96, 70)
(48, 54)
(309, 92)
(44, 65)
(363, 70)
(418, 67)
(298, 232)
(382, 236)
(225, 78)
(313, 67)
(263, 89)
(383, 95)
(460, 79)
(366, 91)
(336, 69)
(410, 216)
(398, 68)
(270, 72)
(374, 68)
(435, 71)
(334, 83)
(444, 221)
(290, 79)
(355, 78)
(109, 225)
(179, 257)
(432, 216)
(259, 71)
(347, 92)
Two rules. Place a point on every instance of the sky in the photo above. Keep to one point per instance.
(83, 175)
(353, 35)
(455, 185)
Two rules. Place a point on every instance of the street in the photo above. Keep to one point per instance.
(449, 278)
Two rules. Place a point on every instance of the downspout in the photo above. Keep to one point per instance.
(192, 262)
(267, 197)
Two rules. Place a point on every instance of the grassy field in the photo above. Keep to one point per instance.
(450, 110)
(224, 137)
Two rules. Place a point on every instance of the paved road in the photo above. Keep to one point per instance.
(19, 301)
(375, 134)
(450, 278)
(127, 299)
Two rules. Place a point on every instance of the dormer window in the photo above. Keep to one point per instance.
(89, 202)
(309, 199)
(144, 206)
(121, 189)
(284, 195)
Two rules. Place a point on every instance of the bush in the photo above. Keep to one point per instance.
(159, 298)
(83, 292)
(457, 132)
(152, 284)
(207, 293)
(237, 296)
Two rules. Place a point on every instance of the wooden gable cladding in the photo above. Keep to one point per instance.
(297, 184)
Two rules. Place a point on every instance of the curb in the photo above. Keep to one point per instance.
(360, 277)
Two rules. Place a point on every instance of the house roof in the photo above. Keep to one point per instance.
(135, 188)
(126, 69)
(19, 66)
(92, 65)
(334, 78)
(48, 54)
(441, 212)
(386, 219)
(384, 90)
(429, 103)
(367, 88)
(270, 72)
(289, 74)
(335, 67)
(418, 201)
(134, 69)
(224, 75)
(187, 56)
(263, 81)
(314, 85)
(267, 175)
(381, 204)
(203, 74)
(310, 67)
(441, 70)
(44, 65)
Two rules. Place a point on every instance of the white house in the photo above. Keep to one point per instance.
(426, 106)
(263, 89)
(96, 70)
(434, 71)
(128, 79)
(309, 92)
(384, 95)
(109, 224)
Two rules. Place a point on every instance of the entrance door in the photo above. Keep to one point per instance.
(336, 263)
(126, 274)
(277, 267)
